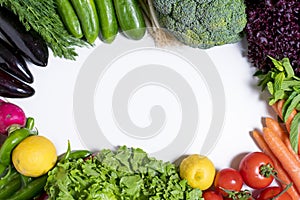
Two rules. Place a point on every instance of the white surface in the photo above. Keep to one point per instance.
(51, 106)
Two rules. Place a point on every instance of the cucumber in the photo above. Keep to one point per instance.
(108, 20)
(87, 15)
(69, 17)
(130, 18)
(31, 190)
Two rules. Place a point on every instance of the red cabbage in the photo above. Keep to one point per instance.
(273, 29)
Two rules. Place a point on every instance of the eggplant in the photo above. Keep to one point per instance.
(13, 63)
(11, 87)
(29, 43)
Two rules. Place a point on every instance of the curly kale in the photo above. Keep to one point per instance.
(202, 23)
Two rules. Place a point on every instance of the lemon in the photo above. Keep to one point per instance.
(34, 156)
(198, 170)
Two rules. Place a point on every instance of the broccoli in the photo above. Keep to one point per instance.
(202, 23)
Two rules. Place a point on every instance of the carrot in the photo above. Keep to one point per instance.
(279, 108)
(289, 120)
(275, 127)
(275, 108)
(290, 164)
(260, 141)
(281, 174)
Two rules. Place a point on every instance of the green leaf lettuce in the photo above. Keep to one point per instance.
(125, 174)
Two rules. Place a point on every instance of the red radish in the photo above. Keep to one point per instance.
(10, 114)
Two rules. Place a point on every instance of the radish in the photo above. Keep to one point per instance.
(10, 114)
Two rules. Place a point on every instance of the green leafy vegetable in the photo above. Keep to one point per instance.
(291, 106)
(282, 83)
(199, 23)
(128, 173)
(294, 133)
(42, 17)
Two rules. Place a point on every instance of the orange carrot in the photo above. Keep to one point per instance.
(275, 108)
(275, 127)
(260, 141)
(290, 164)
(281, 174)
(279, 107)
(289, 120)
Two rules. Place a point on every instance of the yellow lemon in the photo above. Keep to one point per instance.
(198, 170)
(34, 156)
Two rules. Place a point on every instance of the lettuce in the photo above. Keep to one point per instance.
(127, 173)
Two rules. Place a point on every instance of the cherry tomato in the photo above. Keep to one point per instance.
(250, 169)
(212, 195)
(228, 179)
(270, 192)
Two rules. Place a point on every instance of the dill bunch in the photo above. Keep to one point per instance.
(42, 16)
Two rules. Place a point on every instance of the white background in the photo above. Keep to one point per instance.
(52, 104)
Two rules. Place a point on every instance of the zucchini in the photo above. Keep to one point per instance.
(69, 17)
(108, 20)
(130, 18)
(87, 15)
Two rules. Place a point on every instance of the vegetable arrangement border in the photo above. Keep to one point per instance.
(272, 31)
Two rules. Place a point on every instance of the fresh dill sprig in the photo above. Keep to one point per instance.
(42, 16)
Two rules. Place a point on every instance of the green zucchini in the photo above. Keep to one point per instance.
(108, 20)
(69, 17)
(130, 18)
(87, 15)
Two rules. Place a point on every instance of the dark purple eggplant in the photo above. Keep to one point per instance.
(29, 43)
(13, 63)
(11, 87)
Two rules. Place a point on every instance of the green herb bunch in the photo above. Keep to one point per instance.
(42, 17)
(283, 84)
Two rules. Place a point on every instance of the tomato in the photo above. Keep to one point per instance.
(212, 195)
(270, 192)
(229, 179)
(250, 169)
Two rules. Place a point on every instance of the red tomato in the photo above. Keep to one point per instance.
(270, 192)
(229, 179)
(250, 167)
(212, 195)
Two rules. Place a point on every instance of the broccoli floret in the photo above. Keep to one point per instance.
(203, 23)
(164, 7)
